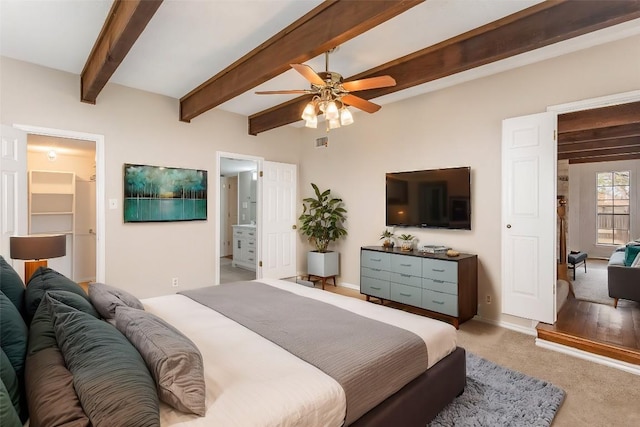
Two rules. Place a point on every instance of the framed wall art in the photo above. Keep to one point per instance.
(163, 194)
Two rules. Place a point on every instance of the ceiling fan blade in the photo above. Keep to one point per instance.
(360, 103)
(308, 73)
(283, 92)
(371, 83)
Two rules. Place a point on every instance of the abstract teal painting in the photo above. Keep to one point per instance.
(161, 194)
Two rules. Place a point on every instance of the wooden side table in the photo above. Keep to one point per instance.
(323, 279)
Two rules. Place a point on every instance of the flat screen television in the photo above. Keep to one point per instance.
(435, 198)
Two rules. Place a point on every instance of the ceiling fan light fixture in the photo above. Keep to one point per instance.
(309, 111)
(334, 123)
(311, 122)
(331, 111)
(346, 118)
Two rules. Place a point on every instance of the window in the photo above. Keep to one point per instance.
(613, 208)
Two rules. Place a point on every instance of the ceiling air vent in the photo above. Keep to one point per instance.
(322, 142)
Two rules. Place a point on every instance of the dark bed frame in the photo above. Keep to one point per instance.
(422, 399)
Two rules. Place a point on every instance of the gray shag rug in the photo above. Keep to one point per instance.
(496, 396)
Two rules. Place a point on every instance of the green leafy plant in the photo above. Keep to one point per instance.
(386, 234)
(322, 219)
(406, 237)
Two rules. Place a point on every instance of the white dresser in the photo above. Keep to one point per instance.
(244, 246)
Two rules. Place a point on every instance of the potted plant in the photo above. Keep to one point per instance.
(407, 242)
(322, 222)
(387, 235)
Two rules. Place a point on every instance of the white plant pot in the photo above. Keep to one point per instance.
(322, 264)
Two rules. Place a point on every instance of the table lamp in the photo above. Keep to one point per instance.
(36, 249)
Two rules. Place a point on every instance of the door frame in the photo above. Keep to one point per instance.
(100, 184)
(216, 246)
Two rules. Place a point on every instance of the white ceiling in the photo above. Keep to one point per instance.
(189, 41)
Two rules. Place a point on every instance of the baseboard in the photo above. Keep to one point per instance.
(507, 325)
(349, 285)
(596, 358)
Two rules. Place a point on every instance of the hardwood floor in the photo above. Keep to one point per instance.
(597, 328)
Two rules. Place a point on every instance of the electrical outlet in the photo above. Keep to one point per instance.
(488, 299)
(174, 282)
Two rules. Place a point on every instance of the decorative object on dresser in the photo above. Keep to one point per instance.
(322, 222)
(36, 249)
(446, 287)
(387, 235)
(244, 246)
(407, 242)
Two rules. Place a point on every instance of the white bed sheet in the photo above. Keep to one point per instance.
(251, 381)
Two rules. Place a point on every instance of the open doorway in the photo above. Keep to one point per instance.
(238, 217)
(61, 173)
(596, 143)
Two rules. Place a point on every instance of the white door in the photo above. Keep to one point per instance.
(529, 162)
(84, 235)
(13, 190)
(278, 245)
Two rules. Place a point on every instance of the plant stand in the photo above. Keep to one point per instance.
(323, 265)
(322, 279)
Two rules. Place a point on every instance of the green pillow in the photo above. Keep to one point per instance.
(110, 377)
(10, 381)
(11, 284)
(41, 333)
(45, 279)
(13, 338)
(630, 253)
(8, 415)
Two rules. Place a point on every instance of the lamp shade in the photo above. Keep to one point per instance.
(41, 246)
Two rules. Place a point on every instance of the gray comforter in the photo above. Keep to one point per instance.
(371, 360)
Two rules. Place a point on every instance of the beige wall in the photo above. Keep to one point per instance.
(140, 127)
(458, 126)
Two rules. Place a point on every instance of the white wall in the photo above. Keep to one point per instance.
(458, 126)
(141, 127)
(582, 219)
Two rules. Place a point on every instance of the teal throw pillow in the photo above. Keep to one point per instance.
(8, 415)
(11, 284)
(13, 338)
(10, 381)
(630, 254)
(45, 279)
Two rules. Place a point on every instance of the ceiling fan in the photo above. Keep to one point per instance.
(332, 95)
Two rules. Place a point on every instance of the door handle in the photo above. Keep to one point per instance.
(508, 225)
(294, 227)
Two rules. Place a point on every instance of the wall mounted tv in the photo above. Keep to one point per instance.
(435, 198)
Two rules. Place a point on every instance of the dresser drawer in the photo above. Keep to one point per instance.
(406, 265)
(440, 286)
(406, 279)
(440, 302)
(376, 273)
(440, 270)
(374, 287)
(374, 259)
(406, 294)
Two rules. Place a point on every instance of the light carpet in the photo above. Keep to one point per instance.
(496, 396)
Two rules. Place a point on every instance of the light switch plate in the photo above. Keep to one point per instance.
(113, 203)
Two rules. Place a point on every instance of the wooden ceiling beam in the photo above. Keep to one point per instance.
(612, 158)
(535, 27)
(604, 152)
(328, 25)
(614, 115)
(598, 145)
(599, 134)
(124, 24)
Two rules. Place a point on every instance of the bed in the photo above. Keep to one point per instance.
(248, 379)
